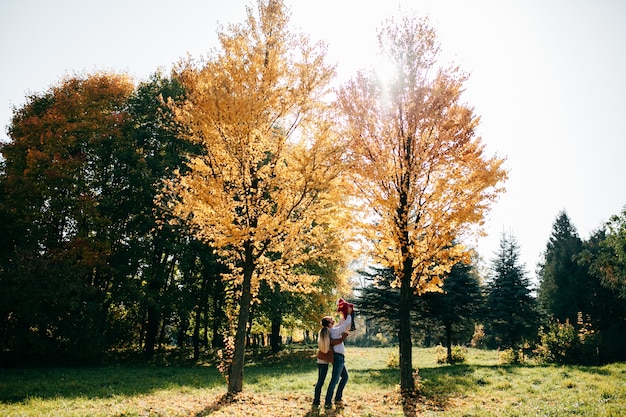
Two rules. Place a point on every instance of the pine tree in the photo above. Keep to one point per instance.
(378, 299)
(564, 283)
(457, 307)
(510, 309)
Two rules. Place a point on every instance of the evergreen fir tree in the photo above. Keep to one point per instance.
(457, 307)
(564, 283)
(511, 310)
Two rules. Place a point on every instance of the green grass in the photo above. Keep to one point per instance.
(282, 385)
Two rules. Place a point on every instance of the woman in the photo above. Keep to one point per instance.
(339, 368)
(325, 355)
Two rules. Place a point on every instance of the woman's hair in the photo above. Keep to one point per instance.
(323, 338)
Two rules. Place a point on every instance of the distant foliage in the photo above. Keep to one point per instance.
(478, 339)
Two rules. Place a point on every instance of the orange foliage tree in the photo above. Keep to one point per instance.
(266, 193)
(419, 168)
(61, 181)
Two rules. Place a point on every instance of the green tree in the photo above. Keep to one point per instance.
(378, 300)
(159, 243)
(610, 263)
(510, 309)
(89, 250)
(202, 298)
(607, 309)
(62, 182)
(277, 304)
(457, 306)
(564, 284)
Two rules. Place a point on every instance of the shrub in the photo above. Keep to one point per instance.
(393, 360)
(561, 343)
(510, 356)
(459, 354)
(478, 339)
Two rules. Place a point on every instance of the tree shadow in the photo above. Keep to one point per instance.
(439, 384)
(217, 404)
(105, 382)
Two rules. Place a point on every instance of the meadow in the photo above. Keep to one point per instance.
(282, 385)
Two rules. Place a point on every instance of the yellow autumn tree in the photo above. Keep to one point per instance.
(266, 193)
(419, 168)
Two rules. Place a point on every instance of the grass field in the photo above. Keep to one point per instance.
(282, 385)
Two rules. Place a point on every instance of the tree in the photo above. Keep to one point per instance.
(378, 300)
(457, 307)
(607, 309)
(610, 264)
(90, 254)
(510, 309)
(564, 283)
(159, 244)
(63, 181)
(419, 169)
(264, 197)
(276, 304)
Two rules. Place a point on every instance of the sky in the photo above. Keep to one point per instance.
(547, 78)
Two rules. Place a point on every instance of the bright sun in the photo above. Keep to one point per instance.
(385, 71)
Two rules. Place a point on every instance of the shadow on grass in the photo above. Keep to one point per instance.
(439, 384)
(221, 401)
(18, 385)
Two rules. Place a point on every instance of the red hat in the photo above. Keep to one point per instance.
(342, 305)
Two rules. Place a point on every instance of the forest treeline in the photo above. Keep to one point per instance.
(91, 262)
(576, 314)
(215, 207)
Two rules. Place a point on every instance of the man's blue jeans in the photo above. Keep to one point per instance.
(339, 370)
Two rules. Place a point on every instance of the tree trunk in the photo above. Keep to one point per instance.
(406, 345)
(218, 316)
(275, 339)
(196, 334)
(235, 375)
(152, 329)
(448, 326)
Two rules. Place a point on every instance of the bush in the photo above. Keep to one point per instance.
(561, 343)
(393, 360)
(478, 339)
(459, 354)
(510, 356)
